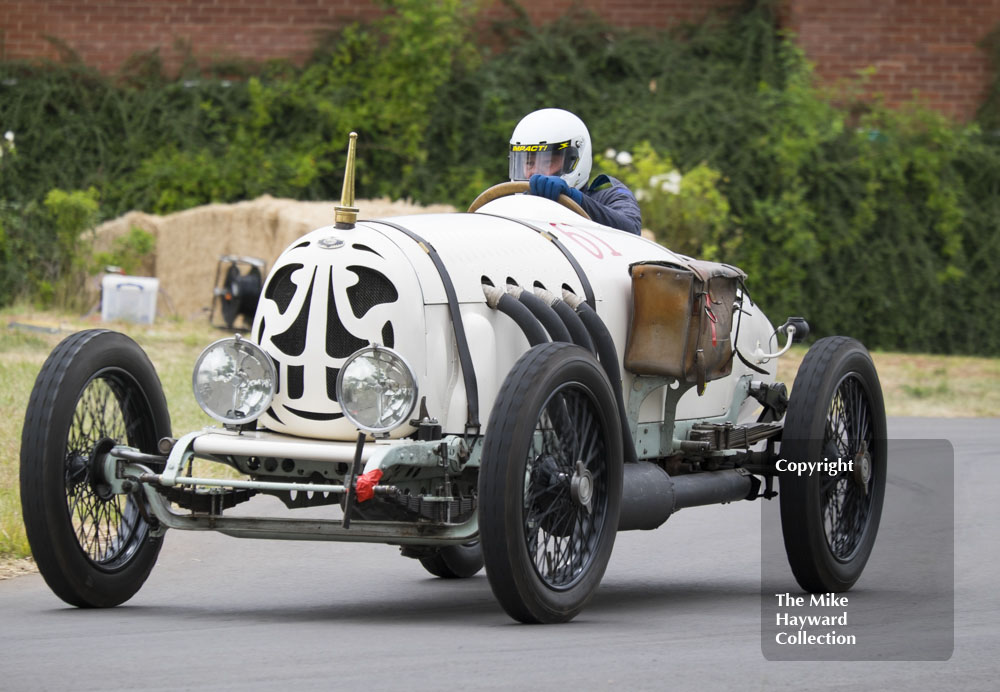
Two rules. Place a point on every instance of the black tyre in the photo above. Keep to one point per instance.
(455, 561)
(96, 389)
(231, 299)
(550, 484)
(829, 522)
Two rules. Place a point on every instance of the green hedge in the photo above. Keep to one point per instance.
(868, 221)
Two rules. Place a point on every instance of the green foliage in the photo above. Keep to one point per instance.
(47, 249)
(128, 252)
(867, 221)
(40, 246)
(686, 212)
(71, 213)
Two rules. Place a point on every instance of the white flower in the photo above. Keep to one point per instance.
(668, 182)
(610, 153)
(624, 158)
(9, 136)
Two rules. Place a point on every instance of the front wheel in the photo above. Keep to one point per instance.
(97, 389)
(836, 416)
(550, 484)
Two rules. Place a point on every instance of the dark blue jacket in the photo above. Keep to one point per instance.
(610, 203)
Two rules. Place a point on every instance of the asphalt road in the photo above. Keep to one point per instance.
(679, 608)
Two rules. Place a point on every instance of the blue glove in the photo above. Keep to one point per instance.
(551, 186)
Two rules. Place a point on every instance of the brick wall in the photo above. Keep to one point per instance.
(625, 13)
(106, 32)
(927, 45)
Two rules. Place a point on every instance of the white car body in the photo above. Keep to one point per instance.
(487, 246)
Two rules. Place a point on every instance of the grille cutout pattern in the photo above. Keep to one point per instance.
(313, 415)
(373, 288)
(340, 343)
(296, 381)
(292, 341)
(388, 337)
(280, 288)
(331, 383)
(277, 373)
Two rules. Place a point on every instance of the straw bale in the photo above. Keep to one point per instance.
(189, 243)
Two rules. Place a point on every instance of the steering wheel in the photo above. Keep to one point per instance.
(514, 187)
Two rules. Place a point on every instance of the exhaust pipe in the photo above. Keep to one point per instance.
(650, 495)
(499, 299)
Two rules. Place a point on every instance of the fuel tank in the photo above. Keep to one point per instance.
(334, 291)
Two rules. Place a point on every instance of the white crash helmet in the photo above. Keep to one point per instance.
(551, 141)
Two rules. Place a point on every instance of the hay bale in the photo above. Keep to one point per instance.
(189, 243)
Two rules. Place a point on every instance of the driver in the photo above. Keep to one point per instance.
(550, 148)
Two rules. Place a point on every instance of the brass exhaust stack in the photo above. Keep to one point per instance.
(345, 213)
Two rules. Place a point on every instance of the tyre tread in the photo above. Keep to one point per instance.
(510, 585)
(42, 510)
(813, 382)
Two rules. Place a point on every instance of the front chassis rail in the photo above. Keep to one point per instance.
(402, 533)
(259, 485)
(124, 466)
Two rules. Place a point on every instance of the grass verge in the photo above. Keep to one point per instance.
(924, 385)
(26, 338)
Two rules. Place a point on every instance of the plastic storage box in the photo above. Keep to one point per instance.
(131, 298)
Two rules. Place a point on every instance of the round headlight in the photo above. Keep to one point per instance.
(376, 389)
(234, 381)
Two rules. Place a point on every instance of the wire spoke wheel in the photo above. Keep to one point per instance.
(836, 416)
(109, 528)
(550, 484)
(97, 390)
(847, 503)
(561, 532)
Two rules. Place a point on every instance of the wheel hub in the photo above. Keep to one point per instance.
(581, 487)
(97, 457)
(863, 467)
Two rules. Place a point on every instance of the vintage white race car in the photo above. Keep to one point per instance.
(511, 387)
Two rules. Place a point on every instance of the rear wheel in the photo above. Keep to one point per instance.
(830, 517)
(455, 561)
(550, 484)
(97, 389)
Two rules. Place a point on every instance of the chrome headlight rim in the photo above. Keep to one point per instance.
(402, 419)
(271, 373)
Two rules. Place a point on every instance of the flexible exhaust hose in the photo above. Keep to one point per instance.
(577, 332)
(498, 299)
(608, 356)
(545, 314)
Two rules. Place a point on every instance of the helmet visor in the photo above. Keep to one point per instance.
(557, 158)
